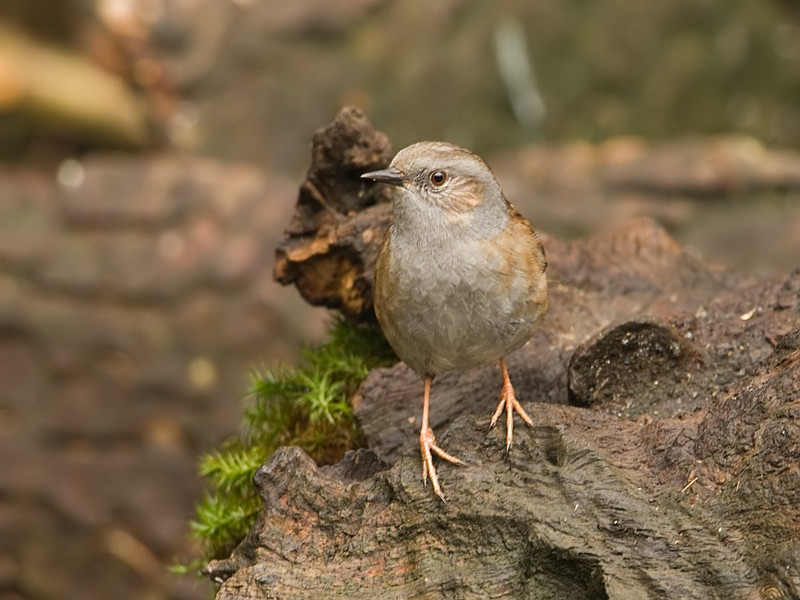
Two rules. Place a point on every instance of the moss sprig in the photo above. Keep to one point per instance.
(307, 405)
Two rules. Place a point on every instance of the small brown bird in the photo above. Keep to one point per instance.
(460, 279)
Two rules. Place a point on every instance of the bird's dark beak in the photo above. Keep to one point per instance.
(392, 176)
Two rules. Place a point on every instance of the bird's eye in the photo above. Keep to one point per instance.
(438, 178)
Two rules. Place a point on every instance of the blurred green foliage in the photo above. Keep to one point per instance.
(658, 69)
(426, 70)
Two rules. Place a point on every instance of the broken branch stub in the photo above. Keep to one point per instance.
(331, 244)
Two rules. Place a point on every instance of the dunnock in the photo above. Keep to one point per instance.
(460, 279)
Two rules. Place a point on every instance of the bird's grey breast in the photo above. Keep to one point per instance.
(453, 302)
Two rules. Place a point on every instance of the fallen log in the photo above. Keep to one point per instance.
(664, 460)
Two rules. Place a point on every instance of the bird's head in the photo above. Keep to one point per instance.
(441, 175)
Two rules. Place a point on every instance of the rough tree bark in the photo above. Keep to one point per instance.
(663, 461)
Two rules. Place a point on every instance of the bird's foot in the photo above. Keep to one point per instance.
(509, 402)
(428, 447)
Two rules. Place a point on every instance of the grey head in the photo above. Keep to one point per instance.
(437, 180)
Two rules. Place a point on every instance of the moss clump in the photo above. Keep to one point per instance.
(306, 406)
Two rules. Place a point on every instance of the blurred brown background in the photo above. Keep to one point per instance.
(151, 151)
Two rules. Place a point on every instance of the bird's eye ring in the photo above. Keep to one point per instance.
(438, 178)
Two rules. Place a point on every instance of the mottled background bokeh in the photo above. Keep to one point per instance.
(150, 152)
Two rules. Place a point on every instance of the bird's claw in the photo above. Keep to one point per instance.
(428, 447)
(509, 403)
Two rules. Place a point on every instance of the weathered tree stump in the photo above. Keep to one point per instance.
(664, 461)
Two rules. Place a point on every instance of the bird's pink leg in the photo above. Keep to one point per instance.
(427, 445)
(509, 401)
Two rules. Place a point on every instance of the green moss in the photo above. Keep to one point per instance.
(307, 406)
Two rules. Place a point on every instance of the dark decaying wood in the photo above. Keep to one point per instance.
(664, 460)
(331, 245)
